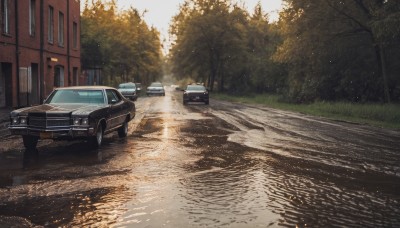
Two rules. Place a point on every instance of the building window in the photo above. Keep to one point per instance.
(75, 34)
(60, 29)
(5, 16)
(59, 76)
(50, 28)
(32, 17)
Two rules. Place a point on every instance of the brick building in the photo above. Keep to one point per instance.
(39, 49)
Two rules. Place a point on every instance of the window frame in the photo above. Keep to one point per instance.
(5, 17)
(32, 17)
(75, 35)
(60, 29)
(50, 28)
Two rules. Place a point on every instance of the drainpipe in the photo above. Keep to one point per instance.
(41, 76)
(17, 49)
(68, 45)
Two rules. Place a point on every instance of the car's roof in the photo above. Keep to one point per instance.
(85, 87)
(156, 83)
(195, 86)
(127, 83)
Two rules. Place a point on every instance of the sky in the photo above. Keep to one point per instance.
(160, 12)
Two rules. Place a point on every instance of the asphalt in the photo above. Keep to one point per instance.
(4, 120)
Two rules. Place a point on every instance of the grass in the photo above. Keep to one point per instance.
(381, 115)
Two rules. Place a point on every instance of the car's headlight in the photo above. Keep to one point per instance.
(81, 121)
(15, 120)
(19, 120)
(77, 121)
(85, 121)
(23, 120)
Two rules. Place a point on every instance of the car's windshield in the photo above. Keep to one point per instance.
(156, 84)
(127, 86)
(195, 88)
(76, 96)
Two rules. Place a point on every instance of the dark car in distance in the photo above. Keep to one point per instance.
(195, 93)
(81, 112)
(128, 90)
(155, 88)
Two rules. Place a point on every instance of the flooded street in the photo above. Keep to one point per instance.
(217, 165)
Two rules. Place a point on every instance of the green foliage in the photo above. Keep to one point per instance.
(325, 50)
(341, 50)
(120, 43)
(219, 43)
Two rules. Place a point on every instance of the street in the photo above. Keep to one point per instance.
(218, 165)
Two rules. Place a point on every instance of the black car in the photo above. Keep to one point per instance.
(195, 93)
(86, 112)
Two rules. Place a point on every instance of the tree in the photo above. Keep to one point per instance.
(120, 43)
(336, 49)
(217, 42)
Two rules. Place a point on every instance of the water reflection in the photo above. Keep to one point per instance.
(183, 172)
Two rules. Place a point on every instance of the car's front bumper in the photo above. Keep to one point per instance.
(155, 92)
(54, 133)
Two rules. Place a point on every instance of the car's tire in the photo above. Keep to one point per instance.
(184, 102)
(206, 102)
(123, 130)
(97, 140)
(30, 142)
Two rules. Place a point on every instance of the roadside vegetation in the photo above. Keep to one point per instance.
(328, 50)
(381, 115)
(120, 44)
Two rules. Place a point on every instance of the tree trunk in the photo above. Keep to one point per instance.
(213, 70)
(380, 53)
(222, 79)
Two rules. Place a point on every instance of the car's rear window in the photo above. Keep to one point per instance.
(77, 96)
(156, 85)
(195, 88)
(127, 86)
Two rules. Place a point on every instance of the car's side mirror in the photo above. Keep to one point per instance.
(113, 101)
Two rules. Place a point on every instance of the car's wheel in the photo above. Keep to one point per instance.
(184, 102)
(206, 102)
(30, 142)
(123, 130)
(96, 140)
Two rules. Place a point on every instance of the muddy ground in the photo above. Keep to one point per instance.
(217, 165)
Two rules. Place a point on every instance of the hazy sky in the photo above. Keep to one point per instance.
(160, 12)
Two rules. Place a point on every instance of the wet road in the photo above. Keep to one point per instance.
(222, 165)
